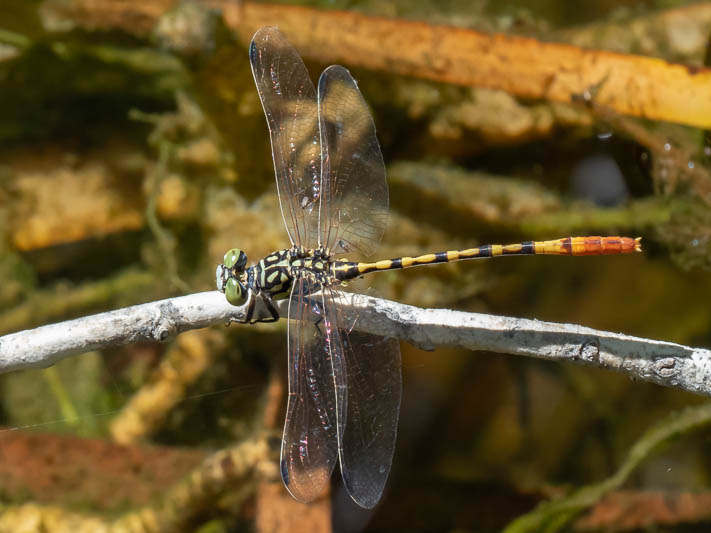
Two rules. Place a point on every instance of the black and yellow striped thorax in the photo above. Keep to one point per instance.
(275, 273)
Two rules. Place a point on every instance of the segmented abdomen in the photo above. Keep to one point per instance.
(588, 246)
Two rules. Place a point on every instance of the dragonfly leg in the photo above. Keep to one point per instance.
(316, 325)
(247, 318)
(250, 310)
(315, 309)
(270, 306)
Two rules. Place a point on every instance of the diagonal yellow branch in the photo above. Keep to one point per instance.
(629, 84)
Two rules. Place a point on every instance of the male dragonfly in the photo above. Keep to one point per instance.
(344, 385)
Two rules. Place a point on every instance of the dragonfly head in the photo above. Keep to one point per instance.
(230, 276)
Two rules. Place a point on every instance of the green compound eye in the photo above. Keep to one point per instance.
(235, 258)
(235, 292)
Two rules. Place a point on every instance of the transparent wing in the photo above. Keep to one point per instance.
(354, 191)
(289, 101)
(316, 393)
(374, 389)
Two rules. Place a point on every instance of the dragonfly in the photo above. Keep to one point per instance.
(344, 386)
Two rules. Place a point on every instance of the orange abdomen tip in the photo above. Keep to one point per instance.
(605, 245)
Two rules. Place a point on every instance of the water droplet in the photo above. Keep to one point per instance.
(690, 164)
(604, 135)
(667, 146)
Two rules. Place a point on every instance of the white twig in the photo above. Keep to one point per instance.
(665, 363)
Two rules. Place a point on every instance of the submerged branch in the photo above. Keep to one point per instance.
(660, 362)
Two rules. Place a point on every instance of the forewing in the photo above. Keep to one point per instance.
(354, 198)
(316, 389)
(374, 385)
(289, 101)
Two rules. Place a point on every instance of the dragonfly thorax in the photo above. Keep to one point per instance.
(275, 273)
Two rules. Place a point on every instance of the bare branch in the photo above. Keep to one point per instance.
(660, 362)
(154, 321)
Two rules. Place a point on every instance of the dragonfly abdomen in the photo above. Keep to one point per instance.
(566, 246)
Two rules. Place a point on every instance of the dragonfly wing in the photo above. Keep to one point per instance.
(374, 388)
(354, 195)
(289, 101)
(316, 389)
